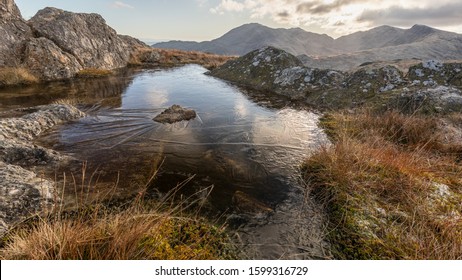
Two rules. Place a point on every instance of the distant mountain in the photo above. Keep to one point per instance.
(387, 43)
(384, 43)
(249, 37)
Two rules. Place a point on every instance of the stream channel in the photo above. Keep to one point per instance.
(241, 142)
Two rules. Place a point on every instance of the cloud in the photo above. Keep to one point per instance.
(319, 7)
(201, 2)
(339, 17)
(446, 15)
(121, 5)
(233, 6)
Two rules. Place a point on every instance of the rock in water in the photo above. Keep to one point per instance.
(246, 204)
(174, 114)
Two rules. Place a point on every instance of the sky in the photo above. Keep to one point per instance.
(201, 20)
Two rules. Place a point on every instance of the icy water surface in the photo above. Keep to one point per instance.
(238, 142)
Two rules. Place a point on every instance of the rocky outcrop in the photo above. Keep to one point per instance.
(56, 44)
(46, 60)
(375, 80)
(439, 99)
(271, 69)
(22, 192)
(13, 31)
(85, 36)
(9, 10)
(175, 114)
(430, 85)
(434, 72)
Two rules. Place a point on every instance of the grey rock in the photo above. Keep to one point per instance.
(85, 36)
(22, 194)
(175, 114)
(9, 10)
(31, 125)
(13, 31)
(49, 62)
(439, 99)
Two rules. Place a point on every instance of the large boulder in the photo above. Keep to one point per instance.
(85, 36)
(22, 192)
(13, 31)
(9, 10)
(46, 60)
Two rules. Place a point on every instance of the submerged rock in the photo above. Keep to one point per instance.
(174, 114)
(248, 205)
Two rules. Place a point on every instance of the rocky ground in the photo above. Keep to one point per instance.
(432, 86)
(22, 191)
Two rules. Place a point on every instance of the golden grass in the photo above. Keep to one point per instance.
(135, 233)
(168, 57)
(141, 229)
(390, 189)
(93, 73)
(16, 76)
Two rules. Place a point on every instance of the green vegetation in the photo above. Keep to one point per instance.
(16, 76)
(391, 185)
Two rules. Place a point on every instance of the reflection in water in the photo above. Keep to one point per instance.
(106, 91)
(234, 144)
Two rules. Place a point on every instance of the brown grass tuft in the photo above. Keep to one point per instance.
(16, 76)
(93, 73)
(390, 189)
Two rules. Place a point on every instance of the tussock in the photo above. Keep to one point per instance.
(16, 76)
(389, 186)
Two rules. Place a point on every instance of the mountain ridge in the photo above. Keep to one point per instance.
(382, 43)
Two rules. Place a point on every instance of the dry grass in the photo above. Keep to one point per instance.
(16, 76)
(167, 57)
(93, 73)
(132, 234)
(390, 188)
(141, 229)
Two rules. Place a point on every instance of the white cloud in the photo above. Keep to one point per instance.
(338, 17)
(121, 5)
(201, 2)
(233, 6)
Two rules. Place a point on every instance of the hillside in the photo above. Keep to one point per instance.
(384, 43)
